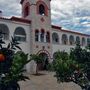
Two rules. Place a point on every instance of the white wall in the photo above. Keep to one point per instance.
(60, 46)
(12, 25)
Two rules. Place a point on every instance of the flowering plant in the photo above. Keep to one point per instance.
(11, 65)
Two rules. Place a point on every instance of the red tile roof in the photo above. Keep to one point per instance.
(56, 27)
(17, 19)
(4, 18)
(20, 20)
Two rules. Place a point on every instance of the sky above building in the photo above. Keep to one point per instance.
(69, 14)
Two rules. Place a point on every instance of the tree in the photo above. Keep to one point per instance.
(38, 59)
(82, 56)
(68, 68)
(11, 65)
(64, 67)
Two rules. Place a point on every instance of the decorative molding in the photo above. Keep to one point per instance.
(42, 19)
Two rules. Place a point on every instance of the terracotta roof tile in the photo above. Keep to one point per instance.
(20, 20)
(17, 19)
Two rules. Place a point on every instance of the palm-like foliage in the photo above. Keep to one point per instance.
(12, 68)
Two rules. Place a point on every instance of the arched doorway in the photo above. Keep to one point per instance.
(44, 64)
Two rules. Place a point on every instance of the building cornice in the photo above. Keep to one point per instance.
(56, 27)
(20, 20)
(17, 19)
(68, 31)
(4, 18)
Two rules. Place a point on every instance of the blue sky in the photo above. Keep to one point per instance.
(69, 14)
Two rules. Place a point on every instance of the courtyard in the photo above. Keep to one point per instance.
(46, 81)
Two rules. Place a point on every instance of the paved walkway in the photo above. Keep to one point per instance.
(46, 81)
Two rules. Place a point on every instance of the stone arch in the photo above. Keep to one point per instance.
(55, 37)
(83, 41)
(26, 9)
(46, 57)
(5, 31)
(77, 39)
(36, 35)
(64, 39)
(71, 39)
(47, 36)
(42, 35)
(20, 34)
(42, 8)
(44, 51)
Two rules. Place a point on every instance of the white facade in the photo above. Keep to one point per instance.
(35, 32)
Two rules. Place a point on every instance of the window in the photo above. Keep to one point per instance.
(47, 37)
(64, 39)
(42, 35)
(71, 40)
(20, 34)
(55, 38)
(41, 9)
(5, 31)
(26, 10)
(83, 41)
(78, 39)
(36, 35)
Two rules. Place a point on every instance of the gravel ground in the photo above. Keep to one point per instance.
(46, 81)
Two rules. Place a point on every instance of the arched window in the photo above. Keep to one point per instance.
(42, 35)
(83, 41)
(5, 31)
(47, 37)
(36, 35)
(78, 39)
(26, 10)
(20, 34)
(71, 39)
(88, 41)
(41, 9)
(64, 39)
(55, 38)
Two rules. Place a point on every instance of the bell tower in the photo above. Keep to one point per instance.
(39, 12)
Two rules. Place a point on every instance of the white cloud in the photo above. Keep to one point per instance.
(70, 14)
(10, 7)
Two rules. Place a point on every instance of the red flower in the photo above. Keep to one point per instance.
(2, 57)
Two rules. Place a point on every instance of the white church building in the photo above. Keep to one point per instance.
(35, 32)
